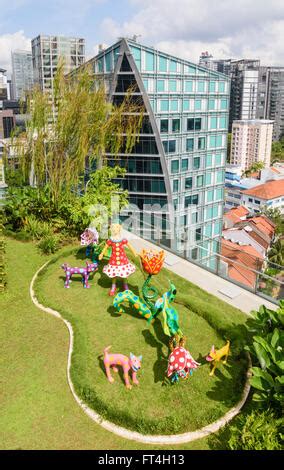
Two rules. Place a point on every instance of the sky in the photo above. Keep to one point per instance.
(185, 28)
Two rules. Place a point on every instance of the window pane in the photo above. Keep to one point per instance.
(145, 83)
(194, 217)
(211, 104)
(224, 104)
(213, 123)
(223, 123)
(174, 166)
(164, 125)
(189, 145)
(164, 105)
(172, 85)
(175, 186)
(160, 85)
(184, 164)
(201, 143)
(188, 183)
(149, 61)
(212, 86)
(197, 105)
(208, 161)
(196, 163)
(172, 146)
(199, 180)
(174, 105)
(162, 64)
(185, 105)
(221, 87)
(218, 160)
(197, 124)
(176, 125)
(209, 196)
(188, 86)
(173, 66)
(201, 86)
(190, 124)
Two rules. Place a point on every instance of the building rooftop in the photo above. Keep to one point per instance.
(237, 213)
(253, 121)
(270, 190)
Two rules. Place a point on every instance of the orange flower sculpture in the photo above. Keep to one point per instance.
(152, 261)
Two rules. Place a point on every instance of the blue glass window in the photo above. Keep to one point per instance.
(189, 145)
(184, 164)
(217, 228)
(211, 104)
(218, 160)
(219, 194)
(172, 85)
(220, 176)
(162, 64)
(196, 163)
(208, 178)
(215, 211)
(208, 213)
(208, 160)
(172, 146)
(160, 85)
(188, 183)
(213, 123)
(188, 86)
(201, 86)
(208, 230)
(209, 196)
(164, 105)
(108, 62)
(212, 87)
(164, 125)
(197, 105)
(224, 103)
(173, 66)
(116, 53)
(201, 143)
(199, 181)
(223, 122)
(221, 87)
(174, 105)
(175, 166)
(137, 56)
(194, 217)
(146, 84)
(149, 61)
(185, 105)
(175, 186)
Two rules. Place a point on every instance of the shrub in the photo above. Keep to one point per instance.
(257, 431)
(267, 350)
(36, 228)
(49, 244)
(23, 236)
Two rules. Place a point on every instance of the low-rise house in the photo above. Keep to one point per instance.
(267, 195)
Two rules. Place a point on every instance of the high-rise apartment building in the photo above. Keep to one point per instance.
(176, 170)
(3, 86)
(251, 142)
(46, 53)
(218, 65)
(244, 89)
(22, 73)
(271, 98)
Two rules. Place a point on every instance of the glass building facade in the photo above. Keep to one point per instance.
(22, 73)
(179, 161)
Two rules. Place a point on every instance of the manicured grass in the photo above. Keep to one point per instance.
(153, 407)
(37, 408)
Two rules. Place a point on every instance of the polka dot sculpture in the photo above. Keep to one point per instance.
(181, 363)
(84, 271)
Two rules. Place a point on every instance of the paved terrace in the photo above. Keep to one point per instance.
(225, 290)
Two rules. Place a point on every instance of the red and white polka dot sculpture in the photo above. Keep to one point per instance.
(181, 364)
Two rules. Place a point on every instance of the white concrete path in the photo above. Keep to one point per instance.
(236, 296)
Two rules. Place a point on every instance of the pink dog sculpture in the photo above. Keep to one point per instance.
(132, 363)
(85, 272)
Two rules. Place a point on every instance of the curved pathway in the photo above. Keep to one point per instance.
(123, 432)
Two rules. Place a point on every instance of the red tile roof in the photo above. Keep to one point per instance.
(236, 213)
(241, 261)
(269, 190)
(264, 224)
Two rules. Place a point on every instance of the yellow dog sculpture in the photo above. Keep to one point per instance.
(216, 356)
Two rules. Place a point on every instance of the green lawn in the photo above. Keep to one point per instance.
(39, 410)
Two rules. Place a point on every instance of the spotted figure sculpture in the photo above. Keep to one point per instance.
(128, 364)
(84, 271)
(181, 363)
(152, 263)
(118, 265)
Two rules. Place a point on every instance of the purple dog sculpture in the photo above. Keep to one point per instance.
(85, 272)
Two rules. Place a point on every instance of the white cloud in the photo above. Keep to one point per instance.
(10, 42)
(226, 28)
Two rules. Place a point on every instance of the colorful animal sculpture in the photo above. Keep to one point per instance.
(132, 363)
(90, 238)
(150, 311)
(84, 271)
(180, 364)
(216, 356)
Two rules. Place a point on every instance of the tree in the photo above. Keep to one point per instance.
(277, 151)
(74, 123)
(257, 166)
(276, 253)
(274, 214)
